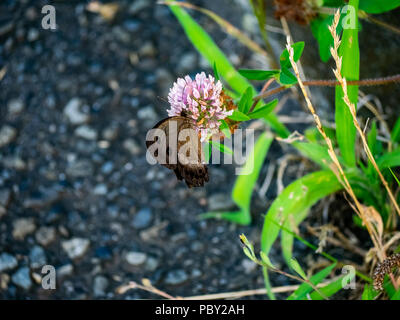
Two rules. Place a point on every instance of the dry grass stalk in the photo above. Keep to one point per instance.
(352, 108)
(336, 168)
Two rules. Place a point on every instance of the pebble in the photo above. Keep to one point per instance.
(45, 235)
(147, 113)
(64, 270)
(100, 190)
(220, 201)
(4, 280)
(80, 168)
(7, 262)
(37, 257)
(137, 6)
(22, 278)
(135, 258)
(151, 264)
(76, 247)
(100, 285)
(22, 227)
(176, 277)
(33, 35)
(15, 106)
(73, 112)
(248, 266)
(187, 62)
(142, 219)
(7, 135)
(131, 146)
(86, 132)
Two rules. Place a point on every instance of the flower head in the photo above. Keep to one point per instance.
(202, 100)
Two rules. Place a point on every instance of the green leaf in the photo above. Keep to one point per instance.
(369, 293)
(224, 127)
(246, 100)
(239, 116)
(294, 264)
(378, 6)
(315, 152)
(305, 288)
(389, 159)
(395, 135)
(258, 74)
(294, 199)
(320, 31)
(396, 296)
(244, 184)
(266, 260)
(287, 238)
(298, 48)
(286, 77)
(349, 50)
(221, 147)
(263, 111)
(216, 75)
(243, 188)
(208, 49)
(329, 290)
(207, 151)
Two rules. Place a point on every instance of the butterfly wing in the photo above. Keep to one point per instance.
(180, 150)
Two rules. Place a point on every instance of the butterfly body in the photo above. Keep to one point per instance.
(179, 149)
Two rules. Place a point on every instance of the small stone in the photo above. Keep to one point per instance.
(65, 270)
(37, 257)
(100, 190)
(137, 6)
(142, 219)
(147, 50)
(76, 247)
(45, 235)
(33, 35)
(22, 278)
(15, 106)
(5, 196)
(147, 113)
(110, 133)
(7, 262)
(100, 286)
(248, 266)
(22, 227)
(176, 277)
(187, 62)
(220, 201)
(7, 135)
(151, 264)
(80, 168)
(4, 280)
(135, 258)
(86, 132)
(131, 146)
(73, 112)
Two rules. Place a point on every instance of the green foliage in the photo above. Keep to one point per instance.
(305, 288)
(345, 129)
(246, 101)
(253, 74)
(264, 110)
(378, 6)
(294, 199)
(243, 189)
(329, 290)
(369, 293)
(320, 31)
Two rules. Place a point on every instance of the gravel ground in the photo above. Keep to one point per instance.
(76, 191)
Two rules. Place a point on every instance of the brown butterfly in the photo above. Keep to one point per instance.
(176, 145)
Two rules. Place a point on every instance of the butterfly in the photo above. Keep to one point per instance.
(175, 143)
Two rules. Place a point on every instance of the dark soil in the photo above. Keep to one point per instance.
(81, 173)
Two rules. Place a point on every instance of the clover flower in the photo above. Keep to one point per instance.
(202, 100)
